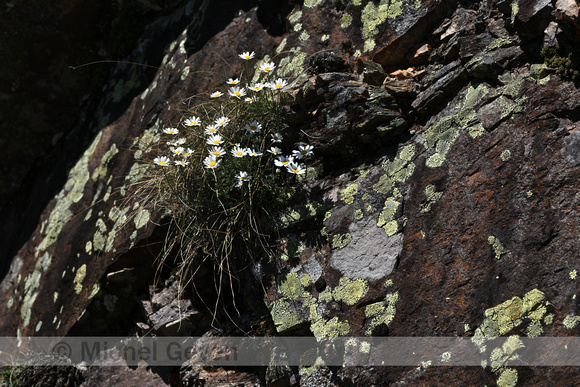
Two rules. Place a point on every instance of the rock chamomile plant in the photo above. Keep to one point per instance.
(224, 171)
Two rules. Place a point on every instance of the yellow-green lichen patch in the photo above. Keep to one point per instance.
(72, 192)
(332, 328)
(312, 3)
(384, 185)
(88, 247)
(306, 371)
(95, 290)
(380, 314)
(294, 17)
(346, 20)
(440, 136)
(293, 249)
(324, 38)
(386, 217)
(571, 321)
(292, 287)
(347, 194)
(508, 351)
(341, 240)
(100, 172)
(31, 284)
(99, 239)
(350, 292)
(141, 218)
(281, 46)
(573, 274)
(358, 214)
(372, 16)
(292, 64)
(300, 213)
(507, 378)
(445, 357)
(502, 318)
(476, 130)
(298, 27)
(432, 197)
(498, 248)
(283, 318)
(79, 277)
(38, 326)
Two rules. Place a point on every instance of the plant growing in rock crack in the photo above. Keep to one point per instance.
(566, 66)
(222, 173)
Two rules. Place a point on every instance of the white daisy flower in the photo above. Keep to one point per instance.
(216, 94)
(214, 139)
(193, 121)
(253, 127)
(222, 121)
(211, 162)
(242, 176)
(275, 150)
(171, 130)
(181, 141)
(256, 87)
(161, 160)
(178, 150)
(237, 92)
(283, 161)
(233, 81)
(276, 137)
(211, 129)
(188, 152)
(238, 151)
(295, 168)
(267, 67)
(278, 84)
(172, 143)
(183, 163)
(253, 153)
(246, 55)
(303, 151)
(249, 100)
(217, 151)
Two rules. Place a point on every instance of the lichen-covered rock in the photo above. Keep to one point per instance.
(442, 200)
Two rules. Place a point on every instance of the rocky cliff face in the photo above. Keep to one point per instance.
(442, 201)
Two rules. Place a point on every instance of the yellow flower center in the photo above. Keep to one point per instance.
(162, 163)
(285, 162)
(212, 163)
(239, 154)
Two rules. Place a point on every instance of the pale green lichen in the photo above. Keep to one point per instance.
(508, 378)
(515, 9)
(380, 314)
(347, 195)
(573, 274)
(476, 130)
(440, 136)
(294, 17)
(298, 27)
(72, 192)
(384, 185)
(141, 218)
(345, 21)
(281, 46)
(358, 214)
(341, 240)
(100, 172)
(292, 287)
(324, 38)
(31, 284)
(445, 357)
(505, 155)
(372, 16)
(99, 239)
(306, 371)
(301, 213)
(498, 248)
(282, 317)
(504, 317)
(432, 197)
(571, 321)
(79, 277)
(323, 329)
(292, 64)
(386, 217)
(312, 3)
(350, 292)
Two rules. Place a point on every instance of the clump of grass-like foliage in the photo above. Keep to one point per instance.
(224, 171)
